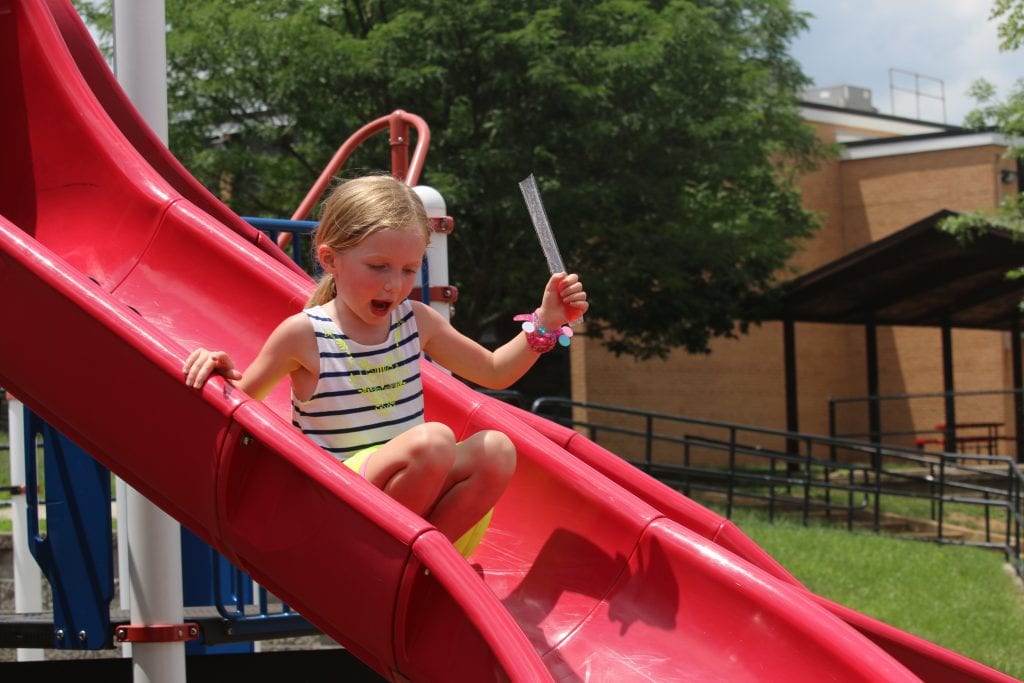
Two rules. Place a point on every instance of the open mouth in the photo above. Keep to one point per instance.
(380, 307)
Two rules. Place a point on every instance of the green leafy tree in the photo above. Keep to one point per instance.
(1004, 115)
(1010, 14)
(665, 136)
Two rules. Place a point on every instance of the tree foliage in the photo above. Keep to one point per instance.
(1010, 14)
(664, 134)
(1004, 115)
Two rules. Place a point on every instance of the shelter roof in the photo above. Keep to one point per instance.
(919, 276)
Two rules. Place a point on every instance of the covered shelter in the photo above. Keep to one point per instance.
(919, 276)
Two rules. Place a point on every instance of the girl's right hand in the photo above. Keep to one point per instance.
(202, 363)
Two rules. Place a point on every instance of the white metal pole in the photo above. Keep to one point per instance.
(437, 249)
(154, 585)
(28, 579)
(154, 539)
(140, 59)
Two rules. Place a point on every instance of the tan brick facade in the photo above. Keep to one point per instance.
(883, 183)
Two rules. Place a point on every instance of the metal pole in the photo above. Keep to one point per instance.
(437, 248)
(874, 406)
(1018, 379)
(28, 579)
(949, 438)
(792, 407)
(154, 539)
(789, 351)
(399, 132)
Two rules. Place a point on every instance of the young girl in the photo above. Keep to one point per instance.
(353, 359)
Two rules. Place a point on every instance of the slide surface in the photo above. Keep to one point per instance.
(114, 263)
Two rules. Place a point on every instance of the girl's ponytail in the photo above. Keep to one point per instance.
(324, 292)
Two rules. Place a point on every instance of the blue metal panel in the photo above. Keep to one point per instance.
(209, 579)
(76, 553)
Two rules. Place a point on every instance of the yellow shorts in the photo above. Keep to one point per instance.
(358, 460)
(466, 544)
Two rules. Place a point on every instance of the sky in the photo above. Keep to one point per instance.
(934, 47)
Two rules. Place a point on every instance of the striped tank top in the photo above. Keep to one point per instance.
(366, 395)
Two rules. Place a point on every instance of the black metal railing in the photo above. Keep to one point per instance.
(952, 433)
(945, 497)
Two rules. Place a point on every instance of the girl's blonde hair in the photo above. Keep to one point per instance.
(358, 208)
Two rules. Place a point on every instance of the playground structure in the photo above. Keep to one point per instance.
(121, 262)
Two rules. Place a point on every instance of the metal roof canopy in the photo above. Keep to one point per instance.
(919, 276)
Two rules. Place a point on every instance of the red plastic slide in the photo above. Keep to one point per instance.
(114, 263)
(927, 660)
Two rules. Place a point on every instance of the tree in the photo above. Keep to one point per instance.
(664, 134)
(1010, 13)
(1005, 116)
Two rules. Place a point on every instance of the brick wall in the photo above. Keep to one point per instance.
(862, 200)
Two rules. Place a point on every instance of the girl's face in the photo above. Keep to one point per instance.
(374, 276)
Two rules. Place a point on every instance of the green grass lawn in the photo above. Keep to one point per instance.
(959, 597)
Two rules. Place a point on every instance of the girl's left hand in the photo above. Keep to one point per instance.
(564, 300)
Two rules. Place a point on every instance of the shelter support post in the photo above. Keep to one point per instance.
(949, 438)
(789, 352)
(874, 407)
(1018, 380)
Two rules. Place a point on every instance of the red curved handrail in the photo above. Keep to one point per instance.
(397, 122)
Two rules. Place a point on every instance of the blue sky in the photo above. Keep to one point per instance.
(857, 42)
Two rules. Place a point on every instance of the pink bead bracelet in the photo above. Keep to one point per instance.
(539, 339)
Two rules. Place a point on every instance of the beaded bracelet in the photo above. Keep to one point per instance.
(539, 339)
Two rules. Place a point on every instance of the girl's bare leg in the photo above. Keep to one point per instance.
(413, 467)
(484, 465)
(450, 485)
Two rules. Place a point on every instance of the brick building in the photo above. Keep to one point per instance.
(893, 172)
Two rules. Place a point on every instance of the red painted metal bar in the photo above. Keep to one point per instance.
(162, 633)
(397, 123)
